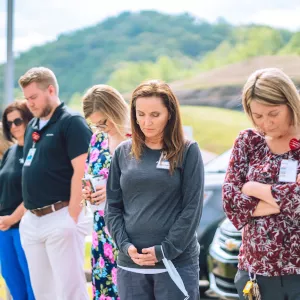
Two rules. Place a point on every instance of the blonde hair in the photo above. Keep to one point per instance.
(4, 143)
(107, 100)
(271, 87)
(42, 76)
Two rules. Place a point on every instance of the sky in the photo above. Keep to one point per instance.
(38, 21)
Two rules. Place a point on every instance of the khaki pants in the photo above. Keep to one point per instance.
(54, 248)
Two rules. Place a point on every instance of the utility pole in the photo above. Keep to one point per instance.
(9, 70)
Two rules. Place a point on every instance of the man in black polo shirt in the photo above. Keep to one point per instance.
(54, 227)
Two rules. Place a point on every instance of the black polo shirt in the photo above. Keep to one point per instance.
(48, 178)
(10, 181)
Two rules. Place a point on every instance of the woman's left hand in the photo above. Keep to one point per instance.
(6, 222)
(150, 251)
(99, 196)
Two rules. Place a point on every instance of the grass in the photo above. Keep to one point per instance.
(215, 129)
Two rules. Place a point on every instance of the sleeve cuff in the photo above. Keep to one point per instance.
(252, 210)
(158, 252)
(274, 193)
(125, 249)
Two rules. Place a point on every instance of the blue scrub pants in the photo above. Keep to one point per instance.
(14, 265)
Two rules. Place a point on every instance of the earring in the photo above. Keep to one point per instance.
(137, 122)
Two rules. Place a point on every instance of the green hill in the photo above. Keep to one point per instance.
(131, 47)
(90, 55)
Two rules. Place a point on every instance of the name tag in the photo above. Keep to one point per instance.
(163, 163)
(29, 157)
(288, 170)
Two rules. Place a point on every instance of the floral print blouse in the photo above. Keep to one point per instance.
(99, 157)
(271, 244)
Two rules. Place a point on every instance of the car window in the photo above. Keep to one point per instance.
(218, 164)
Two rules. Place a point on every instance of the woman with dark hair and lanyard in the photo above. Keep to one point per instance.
(154, 201)
(12, 258)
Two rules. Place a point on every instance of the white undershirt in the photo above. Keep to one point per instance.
(144, 271)
(42, 123)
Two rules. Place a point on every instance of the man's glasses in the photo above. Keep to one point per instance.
(17, 122)
(99, 126)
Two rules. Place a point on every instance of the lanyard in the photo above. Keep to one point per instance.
(35, 138)
(174, 275)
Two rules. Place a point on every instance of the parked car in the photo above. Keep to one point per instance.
(212, 213)
(223, 260)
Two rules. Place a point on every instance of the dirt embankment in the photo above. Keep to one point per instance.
(225, 97)
(222, 87)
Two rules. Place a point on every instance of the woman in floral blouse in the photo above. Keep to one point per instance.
(261, 195)
(108, 112)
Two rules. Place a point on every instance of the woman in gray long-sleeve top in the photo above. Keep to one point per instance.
(154, 201)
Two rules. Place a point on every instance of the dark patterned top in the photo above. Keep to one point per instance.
(271, 244)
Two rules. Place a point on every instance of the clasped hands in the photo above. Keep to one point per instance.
(147, 258)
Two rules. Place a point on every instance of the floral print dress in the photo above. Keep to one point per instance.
(104, 251)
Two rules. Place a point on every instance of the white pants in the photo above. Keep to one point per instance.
(54, 248)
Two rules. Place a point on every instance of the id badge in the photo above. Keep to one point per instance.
(29, 157)
(163, 163)
(288, 170)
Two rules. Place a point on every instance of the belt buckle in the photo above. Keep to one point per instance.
(53, 207)
(39, 209)
(36, 210)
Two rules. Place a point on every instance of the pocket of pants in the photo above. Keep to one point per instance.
(71, 220)
(22, 221)
(85, 223)
(239, 276)
(240, 280)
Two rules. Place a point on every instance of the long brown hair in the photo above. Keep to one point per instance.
(173, 139)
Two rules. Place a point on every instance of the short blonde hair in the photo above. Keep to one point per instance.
(4, 143)
(107, 100)
(272, 87)
(42, 76)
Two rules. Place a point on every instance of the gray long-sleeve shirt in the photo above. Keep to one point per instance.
(147, 206)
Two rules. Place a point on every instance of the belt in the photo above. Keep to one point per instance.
(49, 209)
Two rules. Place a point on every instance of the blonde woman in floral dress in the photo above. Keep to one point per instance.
(108, 114)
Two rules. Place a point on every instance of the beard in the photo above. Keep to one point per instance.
(46, 110)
